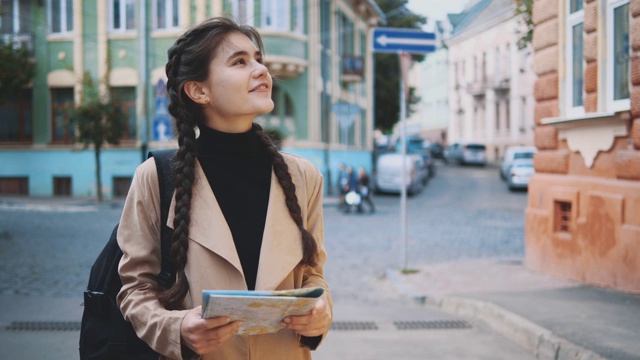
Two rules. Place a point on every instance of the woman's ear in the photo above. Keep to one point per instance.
(196, 92)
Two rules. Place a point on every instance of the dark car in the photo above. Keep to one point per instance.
(436, 150)
(418, 146)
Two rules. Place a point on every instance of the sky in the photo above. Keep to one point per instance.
(436, 9)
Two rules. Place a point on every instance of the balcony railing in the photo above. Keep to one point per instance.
(352, 68)
(477, 87)
(19, 40)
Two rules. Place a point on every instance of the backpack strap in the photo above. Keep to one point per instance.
(163, 159)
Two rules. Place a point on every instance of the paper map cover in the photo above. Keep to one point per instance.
(260, 311)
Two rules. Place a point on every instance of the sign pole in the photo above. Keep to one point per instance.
(403, 42)
(403, 178)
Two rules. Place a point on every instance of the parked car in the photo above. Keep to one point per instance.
(512, 154)
(418, 146)
(389, 173)
(436, 150)
(465, 153)
(520, 174)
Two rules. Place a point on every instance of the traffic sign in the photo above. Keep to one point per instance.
(399, 39)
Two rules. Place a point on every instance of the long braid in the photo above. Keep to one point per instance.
(184, 176)
(281, 169)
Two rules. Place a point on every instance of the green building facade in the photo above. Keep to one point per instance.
(316, 50)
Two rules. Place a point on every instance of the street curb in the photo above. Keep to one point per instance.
(543, 343)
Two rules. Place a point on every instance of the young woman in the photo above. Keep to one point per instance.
(244, 215)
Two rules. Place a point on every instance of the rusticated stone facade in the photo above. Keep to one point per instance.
(583, 214)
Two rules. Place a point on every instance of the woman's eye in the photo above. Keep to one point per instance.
(259, 60)
(239, 62)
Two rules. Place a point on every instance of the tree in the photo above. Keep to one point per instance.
(524, 8)
(387, 70)
(99, 120)
(16, 68)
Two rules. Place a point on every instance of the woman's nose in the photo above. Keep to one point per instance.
(260, 69)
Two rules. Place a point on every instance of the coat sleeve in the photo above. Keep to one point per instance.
(314, 276)
(139, 239)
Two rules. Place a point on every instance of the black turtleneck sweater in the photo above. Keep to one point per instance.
(238, 168)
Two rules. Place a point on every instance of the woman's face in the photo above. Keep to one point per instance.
(238, 86)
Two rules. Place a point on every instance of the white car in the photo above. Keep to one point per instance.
(512, 154)
(467, 153)
(389, 173)
(520, 174)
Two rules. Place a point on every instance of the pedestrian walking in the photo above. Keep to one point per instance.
(364, 190)
(343, 185)
(244, 215)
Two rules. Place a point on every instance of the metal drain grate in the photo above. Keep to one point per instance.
(353, 325)
(43, 326)
(433, 324)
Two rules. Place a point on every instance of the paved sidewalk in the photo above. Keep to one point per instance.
(552, 317)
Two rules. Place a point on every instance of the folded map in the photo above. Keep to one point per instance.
(260, 311)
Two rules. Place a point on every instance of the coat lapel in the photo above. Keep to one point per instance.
(209, 227)
(281, 243)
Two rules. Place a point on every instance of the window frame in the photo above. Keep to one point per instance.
(64, 21)
(235, 7)
(67, 137)
(283, 17)
(122, 27)
(572, 19)
(23, 106)
(299, 17)
(168, 16)
(611, 104)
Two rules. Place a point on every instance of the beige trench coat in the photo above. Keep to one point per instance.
(213, 262)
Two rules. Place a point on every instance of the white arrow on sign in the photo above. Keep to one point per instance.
(384, 40)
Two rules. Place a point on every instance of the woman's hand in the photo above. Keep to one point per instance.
(313, 324)
(206, 335)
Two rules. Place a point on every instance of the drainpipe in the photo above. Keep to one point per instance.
(143, 74)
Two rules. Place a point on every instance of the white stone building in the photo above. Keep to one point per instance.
(491, 81)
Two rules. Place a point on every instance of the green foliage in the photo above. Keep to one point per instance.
(98, 120)
(387, 69)
(16, 69)
(524, 8)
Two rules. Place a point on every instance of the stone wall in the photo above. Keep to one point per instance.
(582, 219)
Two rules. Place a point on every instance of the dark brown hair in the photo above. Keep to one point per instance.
(189, 60)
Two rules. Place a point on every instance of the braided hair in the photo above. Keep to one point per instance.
(189, 60)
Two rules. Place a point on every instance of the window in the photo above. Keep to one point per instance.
(574, 57)
(125, 97)
(17, 118)
(618, 80)
(562, 218)
(275, 14)
(15, 17)
(122, 15)
(166, 14)
(62, 186)
(14, 185)
(61, 100)
(298, 19)
(242, 10)
(345, 30)
(60, 16)
(121, 186)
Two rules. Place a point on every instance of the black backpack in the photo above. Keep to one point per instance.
(104, 334)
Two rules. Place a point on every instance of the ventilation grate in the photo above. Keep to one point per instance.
(353, 325)
(43, 326)
(434, 324)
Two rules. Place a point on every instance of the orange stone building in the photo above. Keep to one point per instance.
(583, 213)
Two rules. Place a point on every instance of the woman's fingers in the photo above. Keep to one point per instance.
(313, 324)
(206, 335)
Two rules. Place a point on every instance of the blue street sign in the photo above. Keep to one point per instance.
(407, 40)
